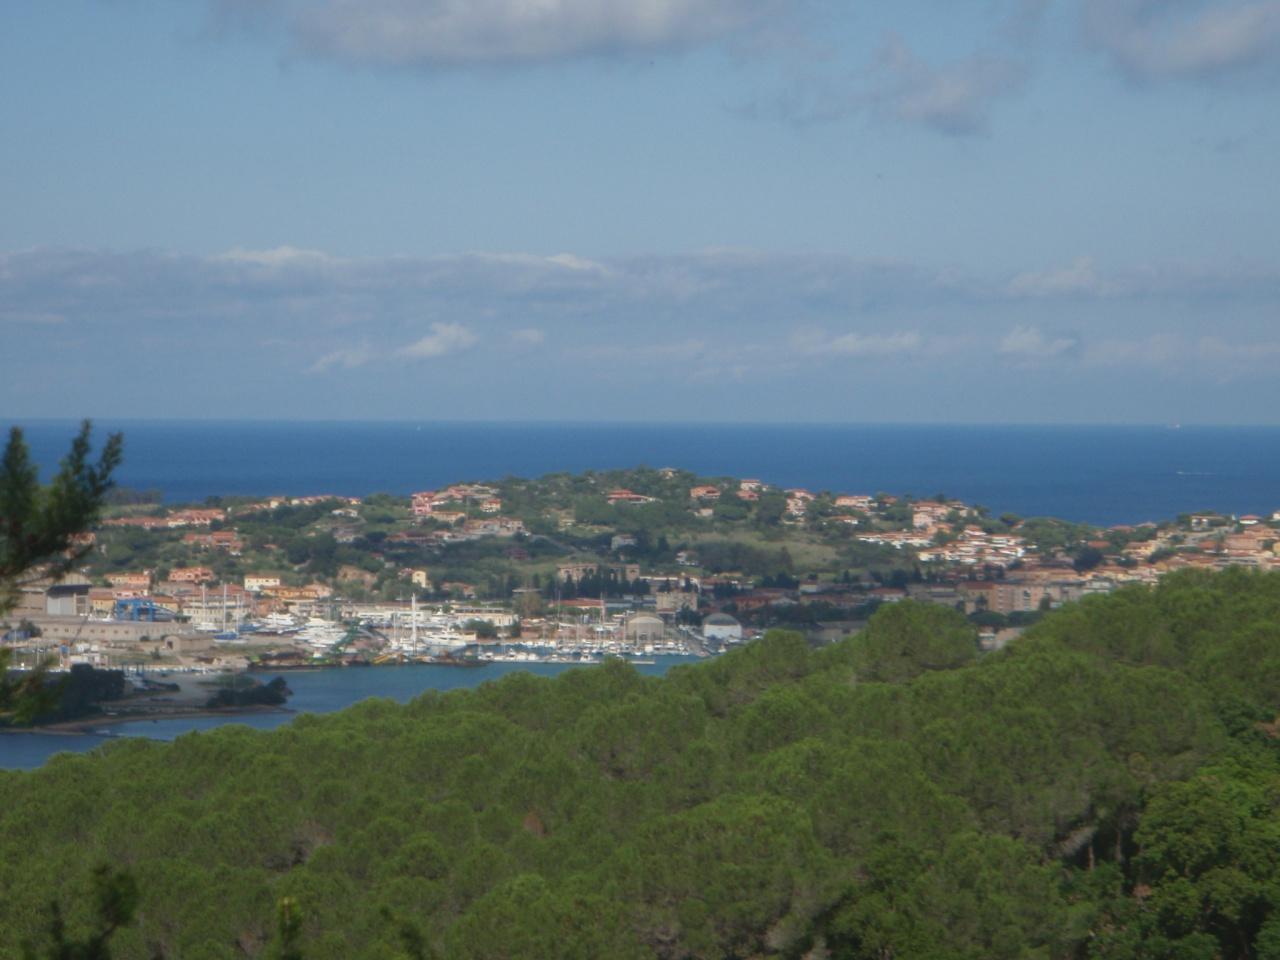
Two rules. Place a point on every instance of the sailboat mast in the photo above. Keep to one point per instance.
(413, 605)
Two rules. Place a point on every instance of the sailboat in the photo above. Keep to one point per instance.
(231, 635)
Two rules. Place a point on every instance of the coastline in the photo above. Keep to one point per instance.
(95, 725)
(321, 691)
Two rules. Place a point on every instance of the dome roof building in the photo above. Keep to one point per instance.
(644, 627)
(722, 627)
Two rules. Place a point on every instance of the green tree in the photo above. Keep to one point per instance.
(483, 629)
(289, 930)
(1210, 850)
(908, 638)
(115, 901)
(38, 526)
(771, 508)
(1087, 557)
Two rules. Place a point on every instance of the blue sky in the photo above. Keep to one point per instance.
(988, 211)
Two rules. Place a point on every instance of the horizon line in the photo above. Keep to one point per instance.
(631, 422)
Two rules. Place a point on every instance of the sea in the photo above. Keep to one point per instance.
(1094, 474)
(1102, 475)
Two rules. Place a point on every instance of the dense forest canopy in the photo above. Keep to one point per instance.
(1105, 787)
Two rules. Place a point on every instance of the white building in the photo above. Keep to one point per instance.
(722, 627)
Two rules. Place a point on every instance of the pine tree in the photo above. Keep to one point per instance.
(38, 528)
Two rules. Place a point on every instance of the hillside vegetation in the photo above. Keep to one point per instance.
(1106, 787)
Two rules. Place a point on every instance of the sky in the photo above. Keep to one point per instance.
(985, 211)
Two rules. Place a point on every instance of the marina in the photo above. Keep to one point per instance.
(215, 634)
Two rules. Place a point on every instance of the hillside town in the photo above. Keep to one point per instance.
(635, 564)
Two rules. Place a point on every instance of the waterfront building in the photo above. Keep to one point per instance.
(722, 627)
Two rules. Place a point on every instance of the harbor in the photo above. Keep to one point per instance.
(229, 632)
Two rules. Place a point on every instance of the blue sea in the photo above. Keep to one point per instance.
(1103, 475)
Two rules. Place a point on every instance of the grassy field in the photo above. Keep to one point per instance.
(808, 553)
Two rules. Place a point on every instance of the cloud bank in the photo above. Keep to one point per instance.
(450, 33)
(726, 333)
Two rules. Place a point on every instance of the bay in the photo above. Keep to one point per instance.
(314, 691)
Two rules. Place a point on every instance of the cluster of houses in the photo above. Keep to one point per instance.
(976, 547)
(1208, 542)
(623, 495)
(966, 564)
(452, 507)
(171, 520)
(971, 567)
(444, 504)
(226, 540)
(1006, 575)
(194, 591)
(978, 570)
(275, 503)
(461, 529)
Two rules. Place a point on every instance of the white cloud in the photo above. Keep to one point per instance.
(656, 332)
(436, 33)
(1231, 359)
(953, 98)
(571, 262)
(1079, 277)
(899, 85)
(277, 257)
(1029, 343)
(444, 338)
(560, 261)
(1216, 346)
(734, 373)
(1084, 278)
(345, 357)
(857, 344)
(1220, 359)
(528, 337)
(678, 351)
(1156, 39)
